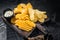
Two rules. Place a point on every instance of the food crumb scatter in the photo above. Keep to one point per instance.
(25, 16)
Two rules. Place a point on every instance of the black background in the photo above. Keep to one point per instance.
(51, 6)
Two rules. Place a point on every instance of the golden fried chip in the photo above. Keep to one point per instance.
(30, 23)
(13, 20)
(16, 10)
(41, 20)
(22, 25)
(45, 16)
(22, 16)
(29, 5)
(24, 11)
(35, 18)
(31, 14)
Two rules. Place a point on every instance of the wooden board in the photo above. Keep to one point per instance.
(20, 32)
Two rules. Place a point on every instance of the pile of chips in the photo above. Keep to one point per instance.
(25, 16)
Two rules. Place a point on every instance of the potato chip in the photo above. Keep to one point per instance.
(22, 25)
(30, 23)
(31, 14)
(13, 20)
(29, 5)
(41, 20)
